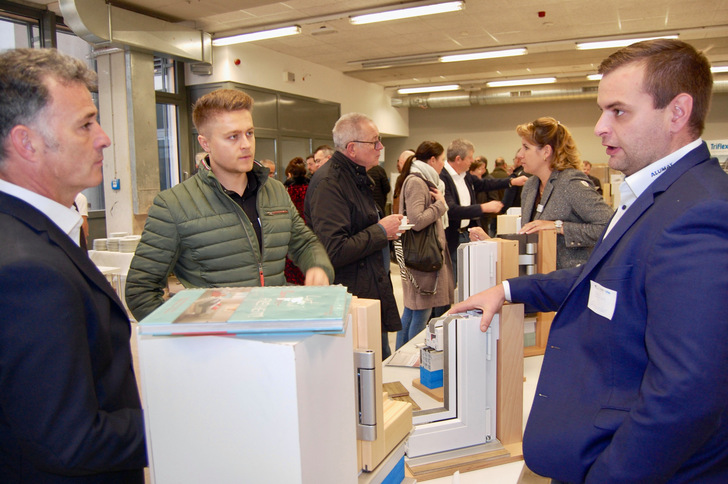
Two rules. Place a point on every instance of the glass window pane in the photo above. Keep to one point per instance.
(167, 145)
(70, 44)
(35, 36)
(13, 34)
(164, 79)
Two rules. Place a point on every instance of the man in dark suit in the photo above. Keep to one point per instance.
(463, 211)
(586, 168)
(633, 386)
(69, 405)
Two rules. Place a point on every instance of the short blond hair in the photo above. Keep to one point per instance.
(215, 102)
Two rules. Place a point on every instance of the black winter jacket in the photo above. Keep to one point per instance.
(340, 208)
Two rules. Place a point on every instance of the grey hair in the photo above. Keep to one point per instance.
(348, 129)
(459, 147)
(23, 90)
(325, 150)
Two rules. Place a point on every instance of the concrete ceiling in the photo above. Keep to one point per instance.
(549, 29)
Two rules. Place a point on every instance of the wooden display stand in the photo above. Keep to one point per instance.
(393, 417)
(545, 263)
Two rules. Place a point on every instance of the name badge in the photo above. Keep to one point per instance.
(539, 208)
(602, 300)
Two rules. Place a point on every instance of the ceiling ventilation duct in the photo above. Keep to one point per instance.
(481, 98)
(102, 24)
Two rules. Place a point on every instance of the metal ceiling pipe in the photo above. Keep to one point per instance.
(481, 98)
(99, 23)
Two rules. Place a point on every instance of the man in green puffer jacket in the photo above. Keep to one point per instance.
(230, 224)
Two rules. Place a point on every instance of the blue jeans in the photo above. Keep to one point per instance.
(413, 322)
(386, 350)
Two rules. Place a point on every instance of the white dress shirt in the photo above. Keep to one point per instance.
(67, 218)
(462, 189)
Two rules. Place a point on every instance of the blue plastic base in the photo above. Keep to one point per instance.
(431, 379)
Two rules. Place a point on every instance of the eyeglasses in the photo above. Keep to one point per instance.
(377, 144)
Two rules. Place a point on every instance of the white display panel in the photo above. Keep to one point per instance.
(265, 409)
(468, 416)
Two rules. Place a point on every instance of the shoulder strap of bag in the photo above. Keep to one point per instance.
(405, 274)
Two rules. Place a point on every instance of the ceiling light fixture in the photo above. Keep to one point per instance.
(407, 13)
(613, 44)
(521, 82)
(594, 77)
(260, 35)
(717, 69)
(424, 89)
(493, 54)
(398, 61)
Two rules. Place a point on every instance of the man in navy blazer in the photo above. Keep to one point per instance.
(69, 406)
(634, 382)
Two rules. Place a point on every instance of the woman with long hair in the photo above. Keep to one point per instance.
(297, 185)
(559, 195)
(422, 200)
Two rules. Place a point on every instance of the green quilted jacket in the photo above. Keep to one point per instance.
(200, 234)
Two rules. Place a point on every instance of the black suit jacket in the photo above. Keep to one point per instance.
(69, 404)
(456, 212)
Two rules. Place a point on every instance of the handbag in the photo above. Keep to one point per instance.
(407, 275)
(421, 250)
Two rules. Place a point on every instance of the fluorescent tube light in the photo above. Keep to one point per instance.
(493, 54)
(717, 69)
(398, 61)
(420, 90)
(521, 82)
(612, 44)
(594, 77)
(261, 35)
(406, 13)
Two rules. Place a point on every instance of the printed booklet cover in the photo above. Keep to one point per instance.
(250, 310)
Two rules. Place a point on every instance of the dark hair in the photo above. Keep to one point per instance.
(296, 167)
(548, 131)
(672, 67)
(424, 152)
(475, 165)
(215, 102)
(23, 84)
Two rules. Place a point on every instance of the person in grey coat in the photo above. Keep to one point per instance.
(559, 195)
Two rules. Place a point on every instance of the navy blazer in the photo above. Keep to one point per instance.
(69, 405)
(643, 396)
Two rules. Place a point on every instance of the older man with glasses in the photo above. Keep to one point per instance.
(341, 210)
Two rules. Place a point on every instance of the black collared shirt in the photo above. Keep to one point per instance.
(248, 203)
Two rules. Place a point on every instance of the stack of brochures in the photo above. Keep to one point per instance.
(231, 310)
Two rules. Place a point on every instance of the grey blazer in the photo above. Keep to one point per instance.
(568, 196)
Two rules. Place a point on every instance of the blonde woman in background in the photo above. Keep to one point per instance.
(559, 195)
